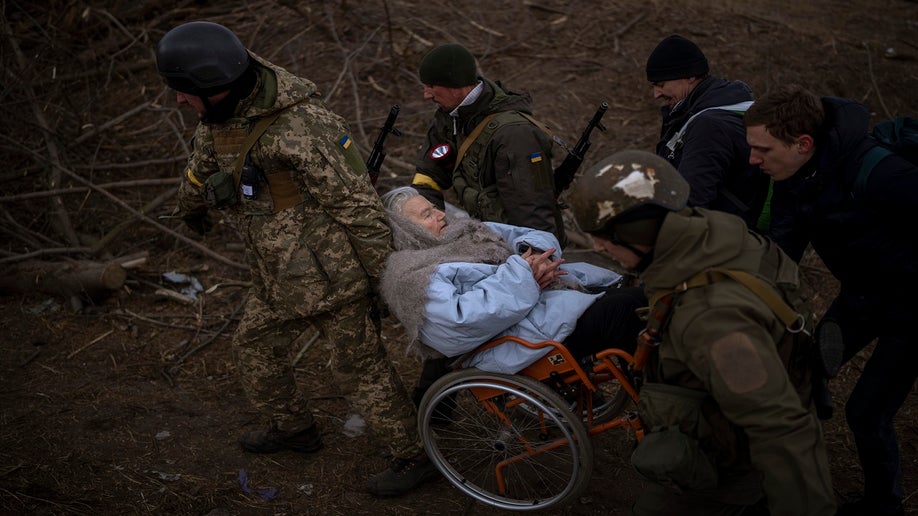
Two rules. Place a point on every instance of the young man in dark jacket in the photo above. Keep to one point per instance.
(702, 133)
(504, 173)
(814, 150)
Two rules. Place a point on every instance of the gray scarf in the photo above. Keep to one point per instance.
(418, 254)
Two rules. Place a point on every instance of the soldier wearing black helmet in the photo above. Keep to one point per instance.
(726, 385)
(281, 168)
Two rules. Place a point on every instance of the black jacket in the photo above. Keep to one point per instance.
(714, 155)
(869, 242)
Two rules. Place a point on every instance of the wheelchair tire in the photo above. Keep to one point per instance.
(495, 451)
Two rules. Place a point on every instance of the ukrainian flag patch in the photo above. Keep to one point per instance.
(345, 141)
(535, 158)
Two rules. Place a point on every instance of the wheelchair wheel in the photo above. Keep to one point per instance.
(494, 450)
(609, 401)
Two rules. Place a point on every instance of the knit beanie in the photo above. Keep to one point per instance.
(449, 65)
(676, 58)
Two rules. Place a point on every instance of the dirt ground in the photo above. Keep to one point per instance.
(130, 404)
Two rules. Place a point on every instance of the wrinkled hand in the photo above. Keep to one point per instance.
(544, 270)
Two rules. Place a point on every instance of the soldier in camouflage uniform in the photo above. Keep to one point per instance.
(726, 396)
(315, 235)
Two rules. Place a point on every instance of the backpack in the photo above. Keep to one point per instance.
(898, 136)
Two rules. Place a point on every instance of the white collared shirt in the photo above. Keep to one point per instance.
(469, 99)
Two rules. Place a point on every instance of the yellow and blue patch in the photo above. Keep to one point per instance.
(345, 141)
(535, 157)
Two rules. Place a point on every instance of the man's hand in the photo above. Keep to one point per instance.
(544, 270)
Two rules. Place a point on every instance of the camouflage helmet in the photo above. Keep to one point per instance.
(622, 182)
(201, 58)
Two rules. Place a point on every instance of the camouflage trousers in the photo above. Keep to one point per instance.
(263, 346)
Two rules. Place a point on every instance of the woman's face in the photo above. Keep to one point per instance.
(421, 212)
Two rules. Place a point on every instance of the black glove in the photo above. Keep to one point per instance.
(199, 221)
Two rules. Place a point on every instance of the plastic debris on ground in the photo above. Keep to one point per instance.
(267, 493)
(354, 426)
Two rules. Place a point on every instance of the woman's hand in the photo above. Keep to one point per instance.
(544, 270)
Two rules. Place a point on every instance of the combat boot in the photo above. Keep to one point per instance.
(402, 476)
(274, 440)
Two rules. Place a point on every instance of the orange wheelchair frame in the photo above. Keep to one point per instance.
(522, 441)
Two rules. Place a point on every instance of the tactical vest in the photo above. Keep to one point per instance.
(473, 179)
(726, 443)
(277, 186)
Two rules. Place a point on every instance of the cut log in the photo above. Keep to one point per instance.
(94, 280)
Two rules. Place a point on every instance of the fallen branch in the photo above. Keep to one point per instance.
(170, 371)
(625, 28)
(144, 217)
(117, 120)
(59, 216)
(113, 233)
(72, 278)
(83, 189)
(97, 339)
(873, 80)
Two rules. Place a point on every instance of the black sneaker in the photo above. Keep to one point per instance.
(830, 348)
(402, 476)
(273, 440)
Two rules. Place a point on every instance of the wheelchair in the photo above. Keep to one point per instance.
(522, 442)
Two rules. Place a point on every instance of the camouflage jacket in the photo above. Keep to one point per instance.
(331, 243)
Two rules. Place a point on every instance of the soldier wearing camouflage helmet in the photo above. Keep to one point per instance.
(281, 168)
(725, 389)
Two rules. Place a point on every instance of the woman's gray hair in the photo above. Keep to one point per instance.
(395, 199)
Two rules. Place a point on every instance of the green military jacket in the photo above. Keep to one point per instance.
(316, 234)
(506, 176)
(722, 339)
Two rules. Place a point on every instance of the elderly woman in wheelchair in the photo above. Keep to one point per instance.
(534, 346)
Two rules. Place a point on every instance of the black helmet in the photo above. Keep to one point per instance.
(622, 183)
(201, 58)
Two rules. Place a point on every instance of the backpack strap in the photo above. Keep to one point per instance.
(871, 159)
(739, 108)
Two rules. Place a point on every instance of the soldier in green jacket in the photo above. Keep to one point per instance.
(484, 144)
(726, 395)
(281, 167)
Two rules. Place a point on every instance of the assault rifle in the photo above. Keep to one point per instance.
(378, 154)
(565, 172)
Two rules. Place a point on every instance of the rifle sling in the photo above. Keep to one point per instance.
(470, 139)
(793, 321)
(484, 122)
(250, 140)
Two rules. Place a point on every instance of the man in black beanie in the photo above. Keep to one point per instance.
(702, 133)
(484, 144)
